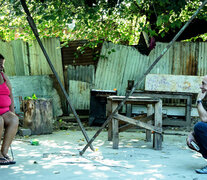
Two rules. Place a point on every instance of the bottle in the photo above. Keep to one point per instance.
(34, 142)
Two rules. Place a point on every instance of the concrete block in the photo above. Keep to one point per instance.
(41, 85)
(24, 132)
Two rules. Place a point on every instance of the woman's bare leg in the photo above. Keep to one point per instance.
(2, 160)
(11, 122)
(1, 131)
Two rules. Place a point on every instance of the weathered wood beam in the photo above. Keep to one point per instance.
(142, 118)
(138, 123)
(125, 127)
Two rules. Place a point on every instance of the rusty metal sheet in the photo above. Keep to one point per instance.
(202, 59)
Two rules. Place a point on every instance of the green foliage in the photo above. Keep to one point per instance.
(34, 97)
(117, 21)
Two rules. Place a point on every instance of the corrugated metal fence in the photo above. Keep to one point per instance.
(117, 65)
(126, 63)
(26, 58)
(80, 82)
(72, 56)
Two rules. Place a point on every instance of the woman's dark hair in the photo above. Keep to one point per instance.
(1, 57)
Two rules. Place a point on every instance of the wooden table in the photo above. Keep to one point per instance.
(171, 95)
(153, 121)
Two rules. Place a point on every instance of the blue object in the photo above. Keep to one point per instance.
(200, 134)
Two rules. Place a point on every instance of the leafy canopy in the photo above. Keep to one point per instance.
(119, 21)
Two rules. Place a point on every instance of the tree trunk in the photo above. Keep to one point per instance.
(38, 116)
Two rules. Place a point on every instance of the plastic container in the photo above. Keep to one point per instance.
(34, 142)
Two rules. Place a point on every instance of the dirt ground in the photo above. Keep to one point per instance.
(57, 157)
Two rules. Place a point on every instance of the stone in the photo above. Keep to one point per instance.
(24, 132)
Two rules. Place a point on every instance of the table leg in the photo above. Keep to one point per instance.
(128, 110)
(157, 141)
(188, 112)
(149, 112)
(115, 129)
(110, 131)
(108, 112)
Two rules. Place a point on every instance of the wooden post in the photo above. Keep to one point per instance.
(111, 106)
(188, 112)
(35, 31)
(150, 111)
(38, 116)
(157, 141)
(128, 110)
(115, 128)
(110, 131)
(108, 112)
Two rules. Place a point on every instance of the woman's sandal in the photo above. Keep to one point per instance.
(10, 160)
(4, 161)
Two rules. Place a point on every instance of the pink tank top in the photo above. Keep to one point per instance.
(5, 100)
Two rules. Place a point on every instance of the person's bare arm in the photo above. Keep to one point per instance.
(11, 95)
(201, 111)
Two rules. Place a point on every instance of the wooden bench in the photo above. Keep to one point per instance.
(153, 121)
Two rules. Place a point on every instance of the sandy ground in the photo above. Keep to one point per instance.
(57, 157)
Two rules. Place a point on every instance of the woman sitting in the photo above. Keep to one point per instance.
(8, 120)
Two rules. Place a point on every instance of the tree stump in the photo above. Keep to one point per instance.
(38, 115)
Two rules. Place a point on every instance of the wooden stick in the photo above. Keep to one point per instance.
(139, 80)
(34, 29)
